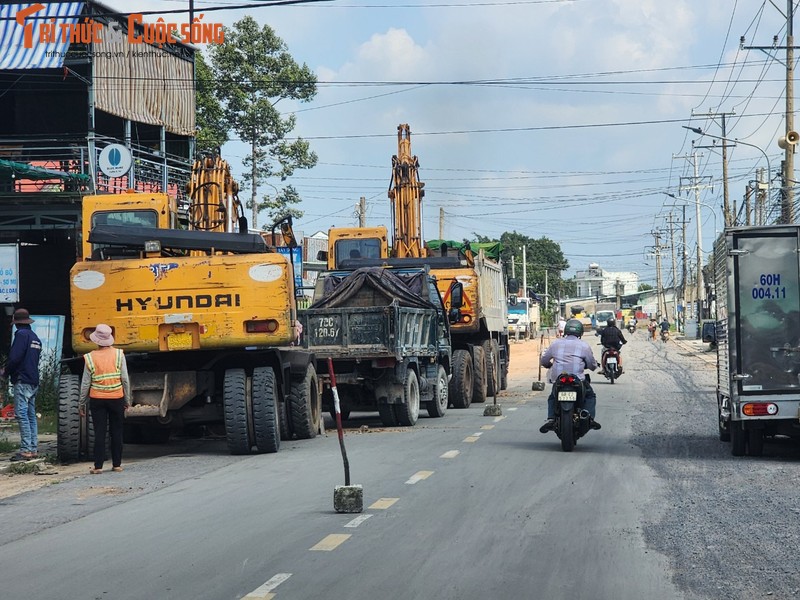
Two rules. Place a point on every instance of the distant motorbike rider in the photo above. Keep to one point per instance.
(664, 326)
(612, 338)
(569, 354)
(651, 327)
(632, 324)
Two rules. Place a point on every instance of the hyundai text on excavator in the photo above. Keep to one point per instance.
(480, 335)
(206, 317)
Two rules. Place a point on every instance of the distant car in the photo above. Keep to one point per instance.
(601, 318)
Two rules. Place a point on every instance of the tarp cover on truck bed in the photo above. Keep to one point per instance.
(407, 288)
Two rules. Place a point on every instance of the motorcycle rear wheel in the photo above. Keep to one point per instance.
(567, 431)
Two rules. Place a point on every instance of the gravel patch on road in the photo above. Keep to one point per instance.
(730, 526)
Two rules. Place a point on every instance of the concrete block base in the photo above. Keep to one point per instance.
(492, 410)
(348, 498)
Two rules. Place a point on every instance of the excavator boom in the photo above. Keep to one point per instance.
(406, 193)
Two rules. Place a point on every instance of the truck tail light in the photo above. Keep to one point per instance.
(384, 363)
(266, 326)
(759, 409)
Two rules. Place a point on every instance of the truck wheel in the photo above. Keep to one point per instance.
(234, 398)
(461, 383)
(438, 405)
(491, 357)
(738, 438)
(387, 415)
(408, 412)
(68, 444)
(755, 442)
(478, 374)
(305, 403)
(265, 410)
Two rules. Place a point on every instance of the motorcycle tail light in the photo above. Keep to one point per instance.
(566, 379)
(759, 409)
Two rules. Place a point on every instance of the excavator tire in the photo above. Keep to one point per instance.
(461, 383)
(68, 445)
(265, 410)
(305, 404)
(479, 386)
(234, 397)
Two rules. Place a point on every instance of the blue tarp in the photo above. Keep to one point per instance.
(39, 55)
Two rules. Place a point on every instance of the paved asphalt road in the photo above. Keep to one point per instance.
(463, 507)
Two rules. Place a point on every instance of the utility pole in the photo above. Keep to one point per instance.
(727, 214)
(441, 222)
(672, 251)
(362, 212)
(748, 194)
(660, 298)
(787, 189)
(684, 280)
(546, 296)
(524, 273)
(696, 186)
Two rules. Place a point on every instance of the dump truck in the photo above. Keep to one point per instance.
(480, 338)
(757, 335)
(206, 317)
(523, 317)
(386, 334)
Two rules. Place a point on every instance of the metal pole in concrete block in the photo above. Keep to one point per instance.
(346, 498)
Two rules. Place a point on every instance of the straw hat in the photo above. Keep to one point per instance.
(22, 317)
(102, 335)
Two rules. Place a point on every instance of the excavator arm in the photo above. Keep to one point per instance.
(406, 193)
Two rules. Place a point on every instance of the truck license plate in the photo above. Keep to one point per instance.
(611, 360)
(567, 396)
(179, 341)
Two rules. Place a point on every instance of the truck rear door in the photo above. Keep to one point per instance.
(767, 311)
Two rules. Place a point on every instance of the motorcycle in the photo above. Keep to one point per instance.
(631, 327)
(664, 335)
(610, 363)
(572, 420)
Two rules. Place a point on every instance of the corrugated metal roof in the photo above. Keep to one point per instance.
(41, 55)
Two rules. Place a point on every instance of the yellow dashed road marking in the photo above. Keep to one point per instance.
(487, 426)
(450, 454)
(471, 439)
(498, 419)
(384, 503)
(331, 542)
(419, 476)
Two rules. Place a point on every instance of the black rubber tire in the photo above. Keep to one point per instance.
(68, 441)
(461, 384)
(566, 431)
(388, 415)
(408, 412)
(234, 398)
(285, 425)
(265, 410)
(504, 368)
(305, 404)
(612, 374)
(755, 442)
(491, 354)
(441, 397)
(738, 439)
(478, 374)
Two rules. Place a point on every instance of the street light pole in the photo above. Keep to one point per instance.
(699, 131)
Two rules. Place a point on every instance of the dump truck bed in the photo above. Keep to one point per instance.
(370, 332)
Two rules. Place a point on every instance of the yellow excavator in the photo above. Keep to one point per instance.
(205, 313)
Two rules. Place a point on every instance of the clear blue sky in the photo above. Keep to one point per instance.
(546, 117)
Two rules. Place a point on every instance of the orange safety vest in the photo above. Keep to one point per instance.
(106, 371)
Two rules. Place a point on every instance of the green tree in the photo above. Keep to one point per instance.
(643, 287)
(212, 132)
(254, 72)
(542, 256)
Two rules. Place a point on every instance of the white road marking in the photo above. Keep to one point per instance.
(264, 592)
(450, 454)
(513, 408)
(419, 476)
(498, 419)
(358, 520)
